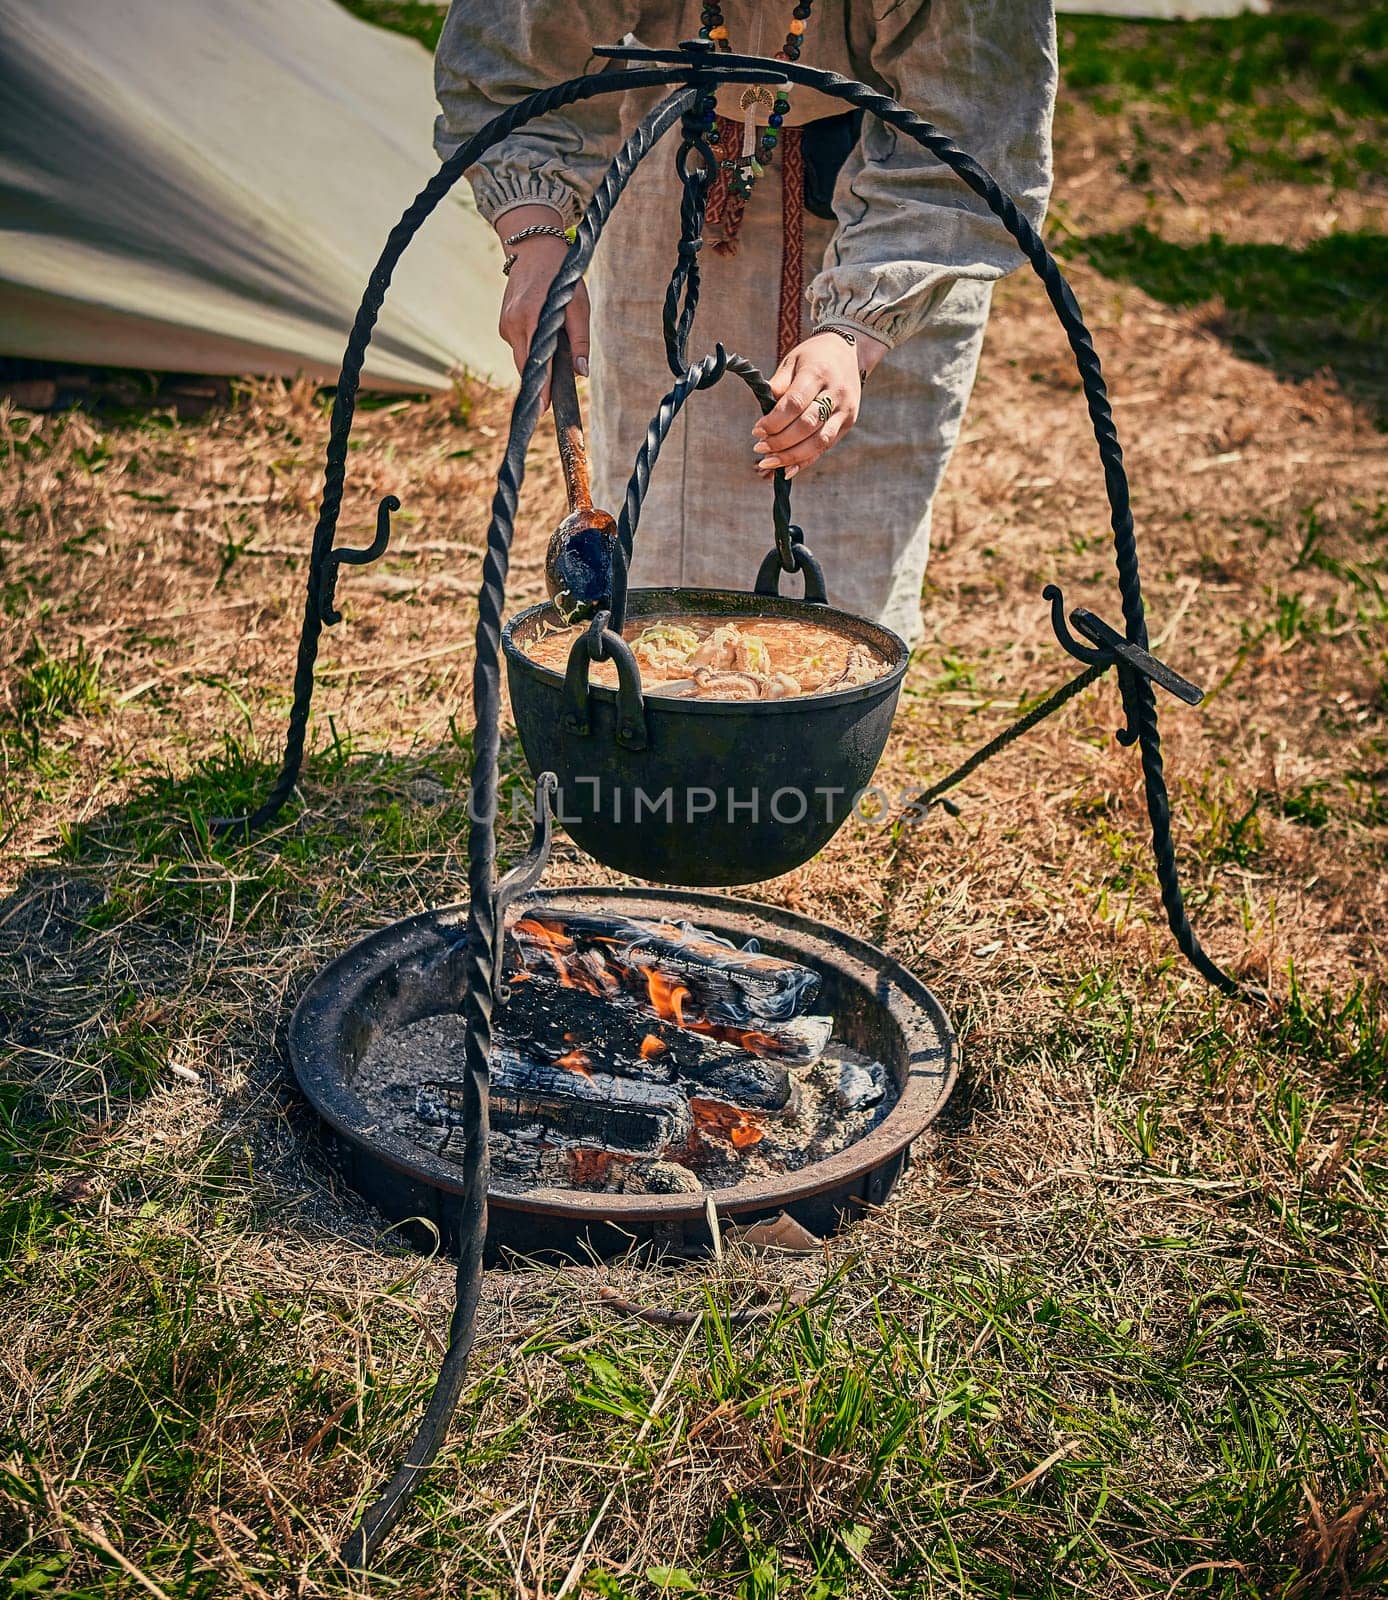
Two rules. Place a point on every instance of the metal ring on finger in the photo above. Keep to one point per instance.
(824, 407)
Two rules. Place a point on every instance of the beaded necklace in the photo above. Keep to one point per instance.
(756, 153)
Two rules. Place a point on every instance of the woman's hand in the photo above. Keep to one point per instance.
(537, 260)
(795, 433)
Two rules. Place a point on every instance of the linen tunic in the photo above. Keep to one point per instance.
(910, 260)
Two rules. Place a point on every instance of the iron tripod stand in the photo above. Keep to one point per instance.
(695, 72)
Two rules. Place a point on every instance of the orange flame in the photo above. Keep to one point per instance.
(667, 996)
(587, 971)
(757, 1044)
(748, 1039)
(574, 1061)
(739, 1128)
(552, 942)
(602, 974)
(595, 975)
(652, 1047)
(535, 929)
(589, 1168)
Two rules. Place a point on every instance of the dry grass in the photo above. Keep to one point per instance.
(1123, 1331)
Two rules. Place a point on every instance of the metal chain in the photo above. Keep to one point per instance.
(702, 375)
(681, 306)
(682, 295)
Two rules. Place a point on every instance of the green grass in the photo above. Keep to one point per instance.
(49, 687)
(1297, 310)
(1337, 53)
(1301, 94)
(415, 21)
(1299, 97)
(1052, 1393)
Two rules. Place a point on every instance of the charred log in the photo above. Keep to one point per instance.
(535, 1163)
(531, 1162)
(677, 971)
(624, 1115)
(744, 1081)
(623, 1030)
(545, 1021)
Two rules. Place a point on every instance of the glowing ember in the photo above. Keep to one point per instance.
(574, 1061)
(589, 1168)
(653, 1048)
(544, 933)
(748, 1039)
(596, 975)
(739, 1128)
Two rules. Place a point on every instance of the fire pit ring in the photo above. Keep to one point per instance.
(391, 978)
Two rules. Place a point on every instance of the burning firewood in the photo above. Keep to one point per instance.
(683, 975)
(625, 1115)
(655, 1002)
(633, 1039)
(543, 1019)
(743, 1081)
(546, 1021)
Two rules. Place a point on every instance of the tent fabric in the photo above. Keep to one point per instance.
(205, 186)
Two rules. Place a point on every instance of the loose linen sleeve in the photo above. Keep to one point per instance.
(984, 72)
(492, 54)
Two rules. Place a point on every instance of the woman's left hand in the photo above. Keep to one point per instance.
(795, 432)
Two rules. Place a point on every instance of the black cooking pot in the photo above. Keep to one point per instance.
(700, 792)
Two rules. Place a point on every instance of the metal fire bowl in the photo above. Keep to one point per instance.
(733, 775)
(384, 981)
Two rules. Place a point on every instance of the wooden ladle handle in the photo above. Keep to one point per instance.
(579, 561)
(568, 427)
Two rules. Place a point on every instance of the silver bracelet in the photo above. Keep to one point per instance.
(843, 333)
(535, 230)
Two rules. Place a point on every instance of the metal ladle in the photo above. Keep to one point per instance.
(582, 549)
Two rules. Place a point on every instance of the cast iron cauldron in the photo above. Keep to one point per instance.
(702, 792)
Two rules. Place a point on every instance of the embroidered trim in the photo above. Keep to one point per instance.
(725, 211)
(792, 304)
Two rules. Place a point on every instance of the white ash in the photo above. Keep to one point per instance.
(861, 1084)
(836, 1100)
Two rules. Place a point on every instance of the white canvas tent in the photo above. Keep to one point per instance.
(204, 186)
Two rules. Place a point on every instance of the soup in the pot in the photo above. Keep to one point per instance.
(709, 658)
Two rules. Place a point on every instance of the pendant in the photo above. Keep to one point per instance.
(755, 98)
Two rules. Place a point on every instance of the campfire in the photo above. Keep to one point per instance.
(638, 1056)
